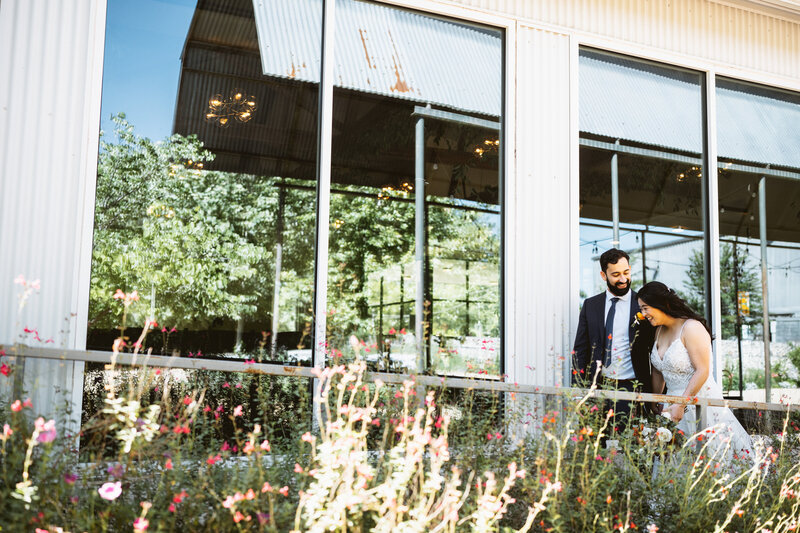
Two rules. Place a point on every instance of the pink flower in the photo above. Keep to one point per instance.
(27, 403)
(489, 436)
(229, 502)
(226, 385)
(7, 431)
(70, 479)
(110, 491)
(214, 459)
(171, 508)
(140, 525)
(119, 295)
(248, 448)
(237, 411)
(284, 490)
(652, 528)
(168, 464)
(16, 406)
(4, 369)
(265, 446)
(47, 430)
(19, 280)
(225, 446)
(267, 487)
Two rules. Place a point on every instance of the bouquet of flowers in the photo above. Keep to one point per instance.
(657, 432)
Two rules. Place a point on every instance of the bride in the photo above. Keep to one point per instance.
(681, 360)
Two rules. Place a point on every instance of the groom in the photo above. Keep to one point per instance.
(611, 346)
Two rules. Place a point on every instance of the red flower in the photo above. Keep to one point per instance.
(4, 369)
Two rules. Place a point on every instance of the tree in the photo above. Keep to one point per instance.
(745, 277)
(198, 245)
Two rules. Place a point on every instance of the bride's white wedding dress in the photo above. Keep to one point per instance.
(724, 430)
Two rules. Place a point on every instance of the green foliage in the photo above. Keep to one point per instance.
(198, 245)
(745, 277)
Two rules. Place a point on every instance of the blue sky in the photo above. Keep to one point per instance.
(144, 40)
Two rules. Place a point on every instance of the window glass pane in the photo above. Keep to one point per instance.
(206, 191)
(759, 213)
(388, 77)
(641, 147)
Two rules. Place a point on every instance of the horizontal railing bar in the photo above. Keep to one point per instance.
(222, 365)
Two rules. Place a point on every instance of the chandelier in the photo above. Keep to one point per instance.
(489, 146)
(238, 106)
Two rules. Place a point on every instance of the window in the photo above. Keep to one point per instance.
(759, 213)
(642, 185)
(417, 280)
(208, 191)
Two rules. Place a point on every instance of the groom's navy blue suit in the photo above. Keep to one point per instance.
(590, 350)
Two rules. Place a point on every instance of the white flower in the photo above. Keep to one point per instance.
(663, 435)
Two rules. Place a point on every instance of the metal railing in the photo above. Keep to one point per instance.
(269, 369)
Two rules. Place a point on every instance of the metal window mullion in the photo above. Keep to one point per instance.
(712, 216)
(324, 183)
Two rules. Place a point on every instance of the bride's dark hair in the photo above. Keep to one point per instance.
(656, 294)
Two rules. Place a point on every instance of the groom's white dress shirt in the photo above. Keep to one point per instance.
(621, 366)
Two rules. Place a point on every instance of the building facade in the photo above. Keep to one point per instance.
(435, 178)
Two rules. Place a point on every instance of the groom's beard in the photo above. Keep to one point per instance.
(616, 290)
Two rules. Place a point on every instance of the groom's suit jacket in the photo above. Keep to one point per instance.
(590, 342)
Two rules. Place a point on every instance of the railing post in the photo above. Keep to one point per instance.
(702, 415)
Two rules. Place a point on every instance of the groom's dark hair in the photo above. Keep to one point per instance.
(612, 257)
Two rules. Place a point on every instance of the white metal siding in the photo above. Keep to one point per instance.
(48, 128)
(720, 33)
(540, 233)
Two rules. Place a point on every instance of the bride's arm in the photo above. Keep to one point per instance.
(698, 344)
(658, 382)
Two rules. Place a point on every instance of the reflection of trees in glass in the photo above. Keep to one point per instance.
(746, 277)
(372, 250)
(201, 242)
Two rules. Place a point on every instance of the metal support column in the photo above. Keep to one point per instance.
(276, 292)
(615, 195)
(419, 240)
(762, 227)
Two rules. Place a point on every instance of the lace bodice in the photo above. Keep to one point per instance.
(676, 367)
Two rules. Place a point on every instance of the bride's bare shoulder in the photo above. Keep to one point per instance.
(693, 329)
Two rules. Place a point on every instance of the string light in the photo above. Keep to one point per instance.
(238, 106)
(404, 189)
(488, 146)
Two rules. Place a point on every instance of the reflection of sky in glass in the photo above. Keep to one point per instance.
(144, 40)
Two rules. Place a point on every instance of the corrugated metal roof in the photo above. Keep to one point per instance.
(387, 51)
(757, 127)
(640, 102)
(648, 104)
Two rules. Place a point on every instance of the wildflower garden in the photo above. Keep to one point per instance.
(179, 450)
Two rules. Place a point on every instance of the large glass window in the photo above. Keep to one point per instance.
(414, 267)
(206, 190)
(207, 184)
(759, 213)
(642, 185)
